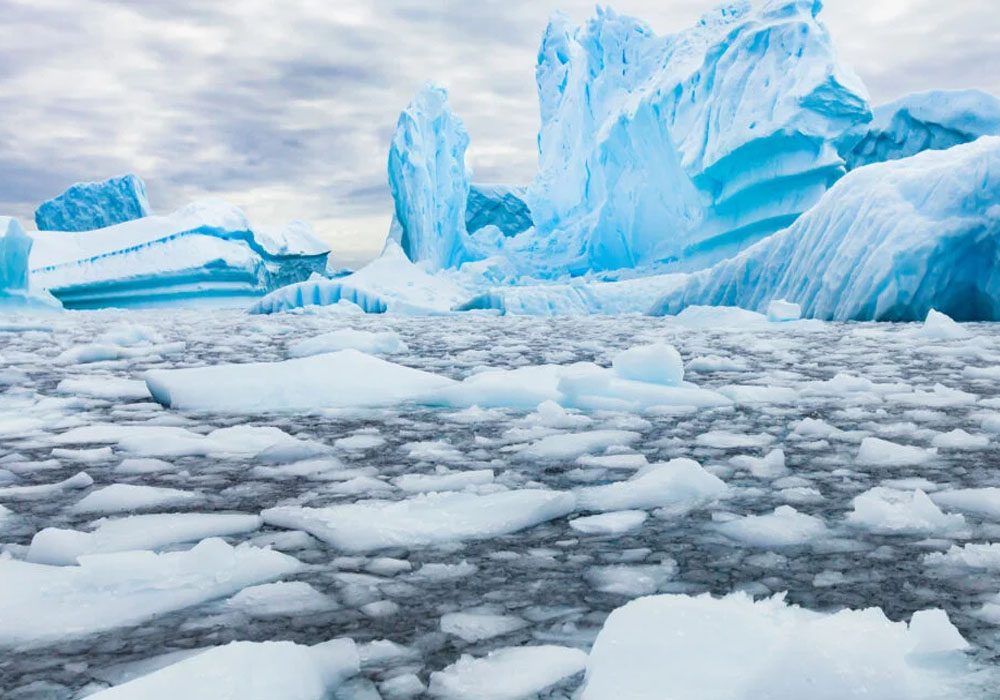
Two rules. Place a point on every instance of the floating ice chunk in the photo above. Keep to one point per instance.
(939, 326)
(120, 498)
(129, 335)
(342, 379)
(780, 311)
(445, 572)
(679, 485)
(785, 527)
(61, 547)
(405, 685)
(622, 461)
(971, 556)
(104, 388)
(725, 440)
(425, 519)
(41, 604)
(248, 671)
(876, 452)
(451, 481)
(614, 523)
(958, 439)
(657, 364)
(280, 599)
(512, 673)
(551, 415)
(87, 206)
(632, 581)
(477, 626)
(939, 397)
(890, 512)
(753, 394)
(23, 493)
(572, 445)
(94, 456)
(697, 647)
(770, 466)
(383, 343)
(102, 352)
(983, 502)
(360, 442)
(715, 363)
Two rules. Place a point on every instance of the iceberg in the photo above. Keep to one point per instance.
(16, 293)
(889, 242)
(934, 120)
(684, 149)
(92, 205)
(497, 205)
(686, 647)
(206, 253)
(429, 183)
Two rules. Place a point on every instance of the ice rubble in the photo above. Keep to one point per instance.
(889, 242)
(206, 253)
(934, 120)
(87, 206)
(424, 519)
(248, 671)
(684, 148)
(16, 293)
(40, 604)
(699, 647)
(428, 182)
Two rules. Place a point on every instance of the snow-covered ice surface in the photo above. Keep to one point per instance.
(833, 470)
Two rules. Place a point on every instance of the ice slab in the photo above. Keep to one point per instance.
(425, 519)
(248, 671)
(510, 673)
(677, 486)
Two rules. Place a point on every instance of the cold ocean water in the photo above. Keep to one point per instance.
(551, 583)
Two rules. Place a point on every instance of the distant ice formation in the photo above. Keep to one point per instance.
(91, 205)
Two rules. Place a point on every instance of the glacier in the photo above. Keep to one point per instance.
(92, 205)
(16, 293)
(937, 120)
(429, 182)
(206, 253)
(889, 242)
(682, 150)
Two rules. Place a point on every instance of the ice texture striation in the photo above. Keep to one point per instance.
(889, 242)
(428, 181)
(934, 120)
(685, 148)
(92, 205)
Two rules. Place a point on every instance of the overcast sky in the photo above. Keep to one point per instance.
(286, 107)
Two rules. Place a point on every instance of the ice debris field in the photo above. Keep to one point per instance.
(709, 409)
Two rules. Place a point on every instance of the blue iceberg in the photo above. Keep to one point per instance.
(889, 242)
(92, 205)
(204, 254)
(922, 121)
(16, 293)
(502, 206)
(681, 150)
(429, 183)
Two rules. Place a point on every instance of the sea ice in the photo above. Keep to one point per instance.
(384, 343)
(890, 512)
(677, 486)
(473, 626)
(511, 673)
(120, 498)
(785, 527)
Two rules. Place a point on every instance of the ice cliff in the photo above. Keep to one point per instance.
(889, 242)
(91, 205)
(497, 205)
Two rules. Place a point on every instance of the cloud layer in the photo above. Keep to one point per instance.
(286, 109)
